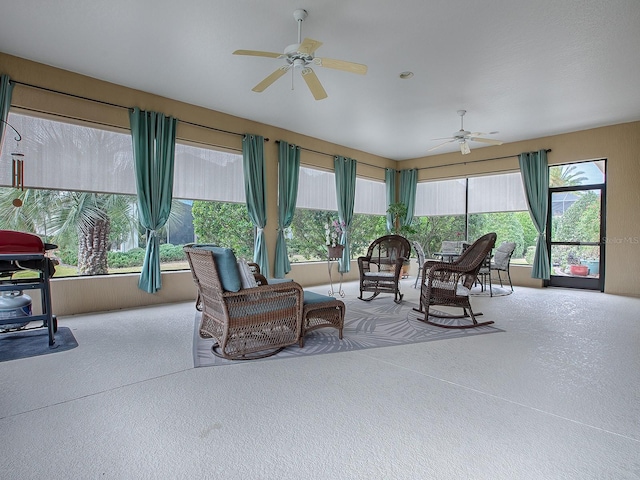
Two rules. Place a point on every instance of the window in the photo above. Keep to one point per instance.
(316, 205)
(443, 197)
(369, 215)
(64, 156)
(207, 174)
(497, 203)
(371, 197)
(211, 184)
(80, 194)
(439, 213)
(465, 209)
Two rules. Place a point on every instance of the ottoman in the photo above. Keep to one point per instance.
(321, 311)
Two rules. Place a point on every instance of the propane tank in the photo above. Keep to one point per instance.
(14, 304)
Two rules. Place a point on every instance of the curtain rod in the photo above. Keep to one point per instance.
(16, 82)
(473, 161)
(80, 97)
(421, 168)
(329, 155)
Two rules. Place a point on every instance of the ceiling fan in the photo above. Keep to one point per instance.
(299, 56)
(463, 136)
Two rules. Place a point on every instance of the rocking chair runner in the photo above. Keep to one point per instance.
(449, 284)
(386, 255)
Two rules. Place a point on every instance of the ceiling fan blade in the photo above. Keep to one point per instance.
(313, 83)
(309, 46)
(481, 134)
(490, 141)
(261, 87)
(341, 65)
(256, 53)
(444, 143)
(464, 148)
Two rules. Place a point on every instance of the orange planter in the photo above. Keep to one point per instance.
(579, 270)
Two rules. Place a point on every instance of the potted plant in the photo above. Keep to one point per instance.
(398, 211)
(333, 230)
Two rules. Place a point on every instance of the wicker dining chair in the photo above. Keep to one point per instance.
(246, 323)
(381, 267)
(484, 275)
(502, 260)
(421, 259)
(449, 284)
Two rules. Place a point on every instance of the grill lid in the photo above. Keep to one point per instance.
(12, 242)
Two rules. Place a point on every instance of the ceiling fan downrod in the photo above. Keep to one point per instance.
(461, 113)
(300, 14)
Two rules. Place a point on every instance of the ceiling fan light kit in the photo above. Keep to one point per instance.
(463, 137)
(300, 56)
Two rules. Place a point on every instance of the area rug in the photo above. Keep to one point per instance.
(375, 324)
(31, 343)
(496, 291)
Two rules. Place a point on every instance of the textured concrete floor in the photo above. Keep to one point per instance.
(554, 396)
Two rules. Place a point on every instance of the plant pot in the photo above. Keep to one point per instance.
(335, 252)
(405, 270)
(593, 265)
(579, 270)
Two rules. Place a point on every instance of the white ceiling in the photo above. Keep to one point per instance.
(526, 68)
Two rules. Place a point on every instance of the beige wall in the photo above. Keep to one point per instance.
(618, 144)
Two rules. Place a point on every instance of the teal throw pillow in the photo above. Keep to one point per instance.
(227, 266)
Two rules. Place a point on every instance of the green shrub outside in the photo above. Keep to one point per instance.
(135, 256)
(171, 253)
(69, 255)
(130, 258)
(531, 251)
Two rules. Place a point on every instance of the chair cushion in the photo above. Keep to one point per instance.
(227, 266)
(461, 290)
(246, 275)
(312, 298)
(502, 255)
(500, 261)
(450, 246)
(275, 281)
(380, 274)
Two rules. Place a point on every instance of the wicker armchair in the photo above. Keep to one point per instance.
(246, 323)
(448, 284)
(380, 269)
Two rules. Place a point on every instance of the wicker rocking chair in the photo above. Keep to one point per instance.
(246, 323)
(449, 284)
(386, 255)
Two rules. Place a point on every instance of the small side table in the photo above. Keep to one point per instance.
(334, 254)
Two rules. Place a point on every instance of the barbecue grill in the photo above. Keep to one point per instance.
(21, 251)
